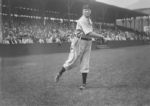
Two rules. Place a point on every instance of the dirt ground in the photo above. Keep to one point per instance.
(118, 77)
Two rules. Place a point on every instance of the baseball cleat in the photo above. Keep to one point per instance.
(57, 78)
(82, 87)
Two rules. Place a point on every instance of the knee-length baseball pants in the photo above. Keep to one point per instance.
(79, 55)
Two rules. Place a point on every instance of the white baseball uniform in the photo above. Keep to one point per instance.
(80, 47)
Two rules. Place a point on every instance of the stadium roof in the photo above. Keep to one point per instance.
(143, 10)
(100, 11)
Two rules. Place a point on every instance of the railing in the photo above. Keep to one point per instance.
(31, 49)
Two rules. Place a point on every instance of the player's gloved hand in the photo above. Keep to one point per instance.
(101, 40)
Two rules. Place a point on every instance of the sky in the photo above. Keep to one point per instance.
(129, 4)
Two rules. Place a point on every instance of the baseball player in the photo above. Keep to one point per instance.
(81, 46)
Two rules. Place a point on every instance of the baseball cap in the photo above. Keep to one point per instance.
(86, 6)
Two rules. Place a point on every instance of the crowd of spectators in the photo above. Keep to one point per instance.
(35, 31)
(25, 31)
(116, 33)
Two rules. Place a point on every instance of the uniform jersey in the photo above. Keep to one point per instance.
(80, 49)
(84, 24)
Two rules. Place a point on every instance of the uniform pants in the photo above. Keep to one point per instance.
(79, 55)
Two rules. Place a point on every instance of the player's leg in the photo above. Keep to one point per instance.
(68, 65)
(71, 61)
(84, 67)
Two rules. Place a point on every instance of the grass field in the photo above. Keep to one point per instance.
(118, 77)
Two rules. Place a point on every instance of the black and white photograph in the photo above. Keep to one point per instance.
(74, 52)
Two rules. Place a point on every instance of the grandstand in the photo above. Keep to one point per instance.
(31, 21)
(53, 21)
(146, 20)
